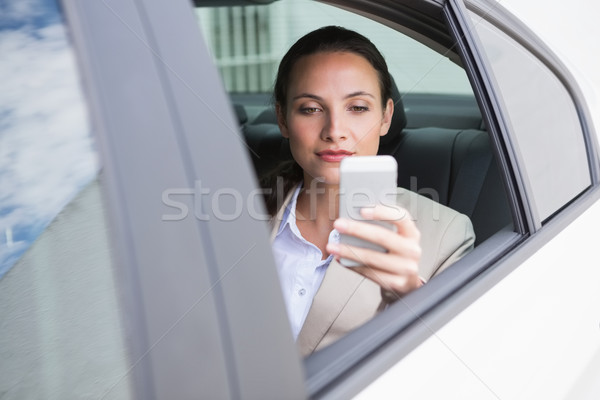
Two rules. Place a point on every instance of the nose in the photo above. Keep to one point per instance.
(335, 128)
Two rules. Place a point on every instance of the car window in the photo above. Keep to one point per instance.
(444, 152)
(61, 333)
(47, 151)
(247, 43)
(548, 136)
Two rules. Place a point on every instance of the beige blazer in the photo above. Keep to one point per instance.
(346, 300)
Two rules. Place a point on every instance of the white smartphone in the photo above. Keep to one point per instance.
(366, 181)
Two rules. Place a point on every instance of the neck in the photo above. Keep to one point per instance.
(318, 202)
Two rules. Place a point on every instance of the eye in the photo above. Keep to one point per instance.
(358, 109)
(309, 110)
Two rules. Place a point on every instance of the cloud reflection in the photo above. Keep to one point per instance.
(46, 153)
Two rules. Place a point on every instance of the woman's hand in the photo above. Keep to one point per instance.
(397, 270)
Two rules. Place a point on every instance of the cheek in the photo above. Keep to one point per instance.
(368, 140)
(368, 124)
(302, 130)
(368, 128)
(299, 139)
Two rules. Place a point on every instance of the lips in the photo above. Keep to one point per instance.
(333, 155)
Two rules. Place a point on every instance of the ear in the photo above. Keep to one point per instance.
(387, 117)
(281, 121)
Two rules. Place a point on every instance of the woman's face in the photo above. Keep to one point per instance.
(334, 110)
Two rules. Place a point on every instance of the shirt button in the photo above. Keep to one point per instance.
(302, 292)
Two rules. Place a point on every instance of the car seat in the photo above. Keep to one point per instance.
(455, 167)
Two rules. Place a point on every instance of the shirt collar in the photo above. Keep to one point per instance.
(289, 216)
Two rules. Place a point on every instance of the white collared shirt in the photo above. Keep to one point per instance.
(300, 266)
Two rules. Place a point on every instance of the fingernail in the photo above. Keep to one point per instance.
(367, 212)
(332, 248)
(340, 224)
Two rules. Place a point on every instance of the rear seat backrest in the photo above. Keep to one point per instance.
(424, 160)
(267, 147)
(456, 168)
(476, 174)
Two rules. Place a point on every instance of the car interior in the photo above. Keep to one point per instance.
(107, 295)
(438, 136)
(450, 160)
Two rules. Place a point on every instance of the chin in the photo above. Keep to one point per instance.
(331, 179)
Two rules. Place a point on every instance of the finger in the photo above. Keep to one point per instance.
(381, 236)
(399, 216)
(397, 281)
(375, 260)
(398, 284)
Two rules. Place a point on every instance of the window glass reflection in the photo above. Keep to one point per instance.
(46, 153)
(543, 118)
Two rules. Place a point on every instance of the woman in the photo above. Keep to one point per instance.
(333, 100)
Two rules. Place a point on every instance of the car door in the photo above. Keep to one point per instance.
(194, 303)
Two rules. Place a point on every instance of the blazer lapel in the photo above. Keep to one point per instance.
(339, 284)
(337, 288)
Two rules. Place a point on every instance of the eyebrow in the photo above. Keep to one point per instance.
(306, 95)
(359, 93)
(348, 96)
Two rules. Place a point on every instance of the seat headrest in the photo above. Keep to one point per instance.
(240, 113)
